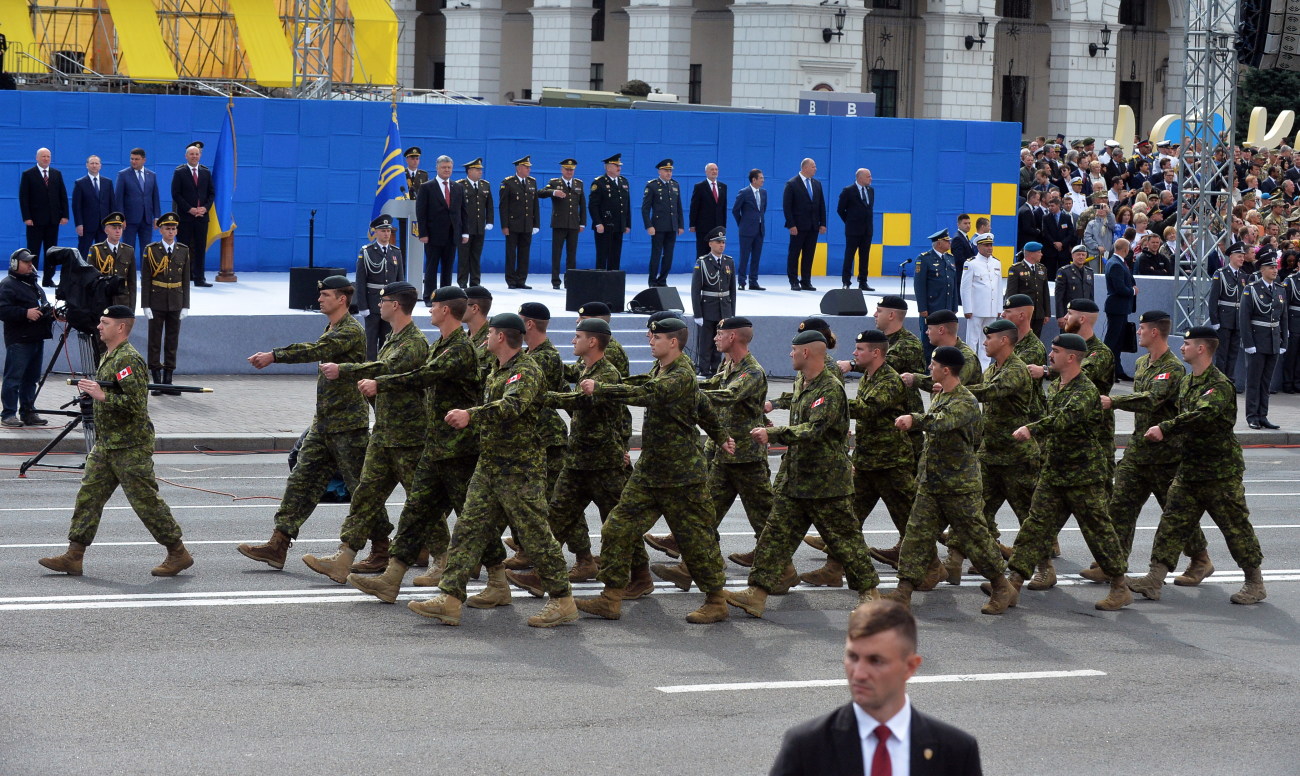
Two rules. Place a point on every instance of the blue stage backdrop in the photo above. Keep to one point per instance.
(296, 156)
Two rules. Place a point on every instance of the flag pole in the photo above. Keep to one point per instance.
(227, 272)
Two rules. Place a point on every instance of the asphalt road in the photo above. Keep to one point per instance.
(233, 668)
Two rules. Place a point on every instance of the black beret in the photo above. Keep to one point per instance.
(477, 292)
(448, 293)
(1084, 306)
(665, 325)
(872, 335)
(119, 312)
(1201, 332)
(1151, 316)
(593, 326)
(398, 287)
(594, 309)
(814, 324)
(535, 310)
(998, 326)
(508, 321)
(662, 315)
(949, 356)
(334, 282)
(1018, 300)
(893, 303)
(1070, 342)
(809, 337)
(735, 322)
(940, 316)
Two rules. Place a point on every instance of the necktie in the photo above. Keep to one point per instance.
(862, 192)
(714, 186)
(758, 200)
(195, 172)
(95, 181)
(880, 762)
(139, 175)
(446, 193)
(46, 175)
(808, 185)
(169, 252)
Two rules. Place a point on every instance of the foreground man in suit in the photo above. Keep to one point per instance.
(879, 733)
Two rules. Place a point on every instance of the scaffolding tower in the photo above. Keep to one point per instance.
(313, 29)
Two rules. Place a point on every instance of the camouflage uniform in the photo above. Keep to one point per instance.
(123, 453)
(1031, 350)
(553, 432)
(668, 478)
(971, 373)
(508, 484)
(1071, 481)
(816, 488)
(449, 379)
(395, 441)
(1099, 367)
(904, 355)
(1008, 469)
(948, 489)
(336, 441)
(884, 463)
(1209, 478)
(738, 392)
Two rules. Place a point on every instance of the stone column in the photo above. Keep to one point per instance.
(1081, 92)
(561, 44)
(407, 18)
(659, 44)
(957, 83)
(474, 49)
(777, 51)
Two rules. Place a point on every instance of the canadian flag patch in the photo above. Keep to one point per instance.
(125, 373)
(818, 403)
(1207, 393)
(1163, 376)
(513, 379)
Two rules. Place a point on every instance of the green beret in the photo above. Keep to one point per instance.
(814, 324)
(1070, 342)
(948, 356)
(735, 322)
(508, 321)
(662, 315)
(593, 309)
(448, 293)
(891, 302)
(872, 335)
(1018, 300)
(665, 325)
(119, 312)
(334, 282)
(808, 337)
(1201, 332)
(1152, 316)
(1084, 305)
(940, 317)
(594, 326)
(398, 287)
(535, 310)
(999, 326)
(477, 292)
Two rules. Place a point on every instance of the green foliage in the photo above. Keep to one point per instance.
(1276, 90)
(635, 88)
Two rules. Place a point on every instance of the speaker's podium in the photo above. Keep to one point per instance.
(304, 293)
(594, 285)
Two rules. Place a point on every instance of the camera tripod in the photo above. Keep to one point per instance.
(83, 415)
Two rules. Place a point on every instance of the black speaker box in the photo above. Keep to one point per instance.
(653, 300)
(844, 301)
(594, 285)
(303, 291)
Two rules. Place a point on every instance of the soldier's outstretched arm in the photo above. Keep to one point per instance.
(660, 389)
(333, 346)
(945, 416)
(815, 427)
(1068, 414)
(1199, 415)
(709, 421)
(452, 362)
(517, 396)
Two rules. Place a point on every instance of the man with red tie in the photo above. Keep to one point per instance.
(43, 200)
(440, 212)
(192, 194)
(708, 208)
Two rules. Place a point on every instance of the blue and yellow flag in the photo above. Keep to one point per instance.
(392, 170)
(222, 220)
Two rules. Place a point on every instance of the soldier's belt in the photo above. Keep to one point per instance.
(377, 286)
(1295, 307)
(161, 284)
(1266, 324)
(715, 293)
(1229, 304)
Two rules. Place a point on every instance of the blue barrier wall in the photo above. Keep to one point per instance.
(295, 156)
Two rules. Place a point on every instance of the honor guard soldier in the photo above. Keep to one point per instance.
(1073, 281)
(415, 177)
(568, 217)
(713, 298)
(1028, 276)
(1225, 307)
(519, 220)
(1291, 363)
(378, 264)
(165, 298)
(122, 455)
(116, 258)
(1264, 333)
(610, 204)
(478, 222)
(935, 282)
(661, 212)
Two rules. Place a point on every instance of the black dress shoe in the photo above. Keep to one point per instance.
(740, 286)
(524, 287)
(794, 287)
(47, 283)
(1265, 422)
(807, 287)
(1253, 424)
(202, 284)
(846, 286)
(756, 287)
(865, 287)
(555, 284)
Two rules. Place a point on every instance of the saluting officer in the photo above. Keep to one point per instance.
(568, 217)
(1264, 332)
(1225, 307)
(378, 264)
(1073, 281)
(478, 222)
(519, 219)
(114, 257)
(935, 282)
(415, 177)
(661, 211)
(1028, 276)
(165, 298)
(713, 298)
(610, 204)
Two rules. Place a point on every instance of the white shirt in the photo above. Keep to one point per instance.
(169, 247)
(981, 287)
(899, 744)
(758, 202)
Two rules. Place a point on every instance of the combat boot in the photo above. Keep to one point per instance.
(512, 544)
(156, 377)
(1000, 595)
(1044, 576)
(1149, 586)
(677, 573)
(421, 560)
(497, 592)
(529, 581)
(866, 596)
(557, 611)
(1094, 574)
(1014, 580)
(816, 542)
(789, 578)
(609, 604)
(1056, 548)
(745, 559)
(334, 566)
(69, 562)
(888, 557)
(641, 584)
(519, 561)
(1005, 550)
(1119, 596)
(935, 574)
(167, 380)
(752, 599)
(1199, 568)
(1253, 591)
(273, 553)
(442, 607)
(178, 559)
(902, 595)
(955, 559)
(432, 577)
(667, 544)
(385, 586)
(376, 561)
(829, 575)
(714, 609)
(584, 568)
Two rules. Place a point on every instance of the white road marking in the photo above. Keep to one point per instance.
(793, 685)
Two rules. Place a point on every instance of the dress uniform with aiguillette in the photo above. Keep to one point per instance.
(935, 284)
(1224, 308)
(610, 204)
(519, 220)
(661, 210)
(165, 298)
(713, 298)
(478, 222)
(377, 266)
(568, 218)
(117, 260)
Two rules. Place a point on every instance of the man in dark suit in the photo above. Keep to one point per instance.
(963, 249)
(1058, 236)
(92, 199)
(1121, 299)
(1029, 225)
(805, 216)
(517, 199)
(43, 200)
(568, 217)
(708, 208)
(135, 193)
(750, 212)
(440, 213)
(192, 193)
(857, 209)
(879, 657)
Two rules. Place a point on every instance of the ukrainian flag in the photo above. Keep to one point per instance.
(221, 222)
(392, 170)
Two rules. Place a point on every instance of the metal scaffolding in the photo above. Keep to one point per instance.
(313, 29)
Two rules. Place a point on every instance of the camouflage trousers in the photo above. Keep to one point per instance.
(931, 513)
(132, 468)
(896, 487)
(1051, 507)
(751, 480)
(437, 488)
(319, 457)
(1134, 484)
(690, 518)
(554, 465)
(1010, 483)
(574, 490)
(494, 500)
(384, 469)
(1225, 500)
(786, 526)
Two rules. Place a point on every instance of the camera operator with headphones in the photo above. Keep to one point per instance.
(27, 317)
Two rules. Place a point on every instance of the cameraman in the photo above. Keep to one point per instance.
(27, 317)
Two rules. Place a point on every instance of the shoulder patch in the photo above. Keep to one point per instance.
(515, 378)
(126, 371)
(1163, 376)
(1207, 393)
(818, 403)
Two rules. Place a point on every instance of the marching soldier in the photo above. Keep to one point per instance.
(415, 177)
(340, 431)
(610, 204)
(520, 217)
(568, 217)
(1028, 276)
(935, 283)
(122, 455)
(116, 258)
(478, 222)
(941, 329)
(165, 298)
(713, 298)
(614, 352)
(661, 212)
(1073, 281)
(1263, 321)
(378, 263)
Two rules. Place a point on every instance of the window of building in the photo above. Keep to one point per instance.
(440, 75)
(1018, 9)
(598, 20)
(696, 84)
(887, 5)
(1133, 13)
(1014, 90)
(597, 82)
(1130, 94)
(527, 94)
(884, 84)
